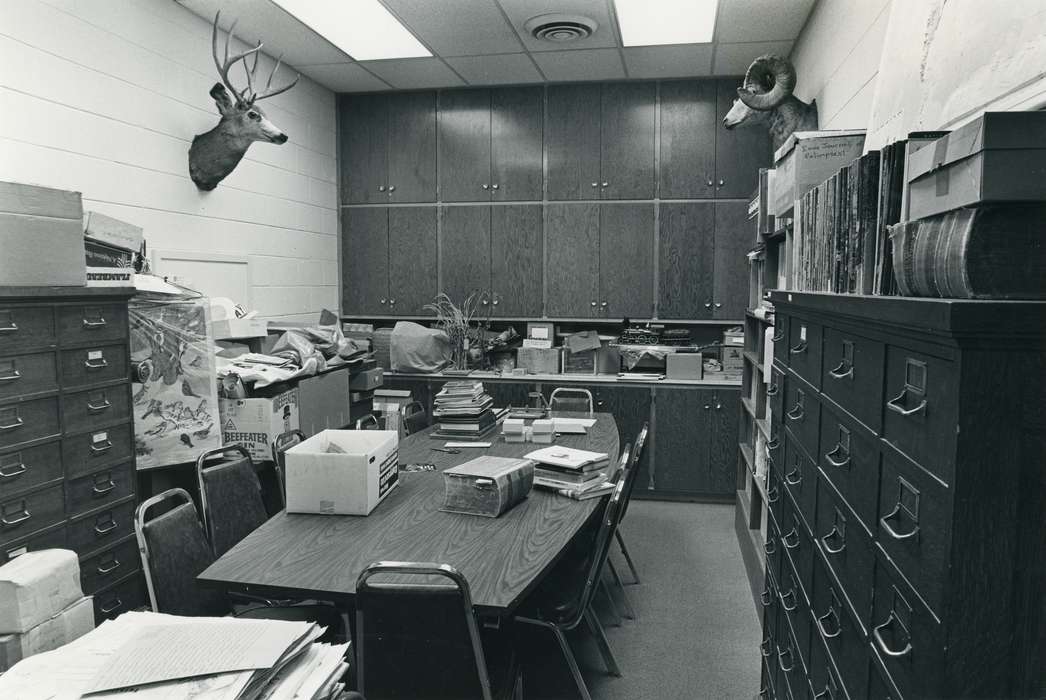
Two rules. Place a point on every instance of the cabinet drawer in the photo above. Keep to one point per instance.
(799, 476)
(109, 565)
(914, 526)
(780, 338)
(804, 350)
(802, 414)
(796, 613)
(24, 515)
(792, 673)
(93, 365)
(91, 323)
(28, 468)
(798, 547)
(773, 547)
(766, 684)
(770, 601)
(27, 374)
(906, 638)
(847, 549)
(99, 489)
(24, 327)
(91, 532)
(921, 404)
(128, 594)
(775, 392)
(852, 375)
(849, 459)
(89, 409)
(28, 420)
(51, 538)
(824, 681)
(837, 630)
(880, 685)
(91, 451)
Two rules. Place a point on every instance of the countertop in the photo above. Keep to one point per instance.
(571, 379)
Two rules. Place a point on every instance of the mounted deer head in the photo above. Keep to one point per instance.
(215, 154)
(766, 99)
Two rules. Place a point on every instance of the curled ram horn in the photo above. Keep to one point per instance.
(768, 82)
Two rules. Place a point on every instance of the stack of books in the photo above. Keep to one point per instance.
(575, 473)
(463, 411)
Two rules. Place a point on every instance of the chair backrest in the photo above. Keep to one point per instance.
(174, 550)
(415, 417)
(567, 398)
(230, 497)
(368, 422)
(422, 623)
(282, 443)
(633, 470)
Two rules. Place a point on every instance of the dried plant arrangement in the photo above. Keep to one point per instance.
(457, 322)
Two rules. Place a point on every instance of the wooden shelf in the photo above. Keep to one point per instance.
(764, 427)
(753, 357)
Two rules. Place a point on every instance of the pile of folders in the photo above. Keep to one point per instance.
(575, 473)
(463, 411)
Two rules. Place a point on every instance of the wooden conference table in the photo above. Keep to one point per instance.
(319, 556)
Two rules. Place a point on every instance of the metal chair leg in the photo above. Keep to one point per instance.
(630, 613)
(618, 617)
(628, 558)
(601, 640)
(568, 654)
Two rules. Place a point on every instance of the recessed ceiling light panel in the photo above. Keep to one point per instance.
(646, 23)
(364, 29)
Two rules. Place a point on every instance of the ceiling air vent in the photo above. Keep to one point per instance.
(560, 29)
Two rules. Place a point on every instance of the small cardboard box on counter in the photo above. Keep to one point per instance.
(998, 157)
(69, 624)
(256, 422)
(35, 586)
(487, 486)
(342, 472)
(41, 237)
(732, 355)
(808, 158)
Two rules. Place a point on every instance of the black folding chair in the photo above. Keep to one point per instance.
(417, 637)
(282, 443)
(568, 398)
(230, 497)
(637, 454)
(415, 418)
(368, 422)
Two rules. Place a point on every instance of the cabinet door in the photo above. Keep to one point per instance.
(365, 260)
(688, 133)
(627, 141)
(681, 441)
(686, 255)
(412, 147)
(464, 146)
(738, 153)
(363, 142)
(465, 247)
(508, 393)
(723, 442)
(573, 260)
(412, 259)
(733, 239)
(626, 260)
(516, 125)
(573, 141)
(630, 407)
(516, 260)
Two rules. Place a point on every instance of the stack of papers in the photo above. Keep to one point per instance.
(166, 657)
(565, 468)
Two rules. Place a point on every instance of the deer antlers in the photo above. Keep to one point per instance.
(247, 96)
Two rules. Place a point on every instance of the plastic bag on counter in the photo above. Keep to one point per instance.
(414, 348)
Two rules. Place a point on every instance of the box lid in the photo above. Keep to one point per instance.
(797, 136)
(990, 131)
(487, 467)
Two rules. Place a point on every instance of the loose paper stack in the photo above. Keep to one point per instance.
(464, 411)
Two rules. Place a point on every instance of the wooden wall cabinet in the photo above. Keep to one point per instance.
(388, 148)
(600, 261)
(389, 260)
(490, 145)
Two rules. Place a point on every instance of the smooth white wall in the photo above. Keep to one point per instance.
(104, 97)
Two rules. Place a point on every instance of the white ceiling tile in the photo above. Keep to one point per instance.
(595, 64)
(669, 61)
(344, 77)
(519, 11)
(761, 20)
(414, 73)
(734, 59)
(457, 27)
(502, 69)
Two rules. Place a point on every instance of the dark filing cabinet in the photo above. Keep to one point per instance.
(67, 471)
(906, 498)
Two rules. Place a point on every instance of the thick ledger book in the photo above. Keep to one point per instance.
(487, 486)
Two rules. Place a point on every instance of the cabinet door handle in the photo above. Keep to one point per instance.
(486, 186)
(708, 305)
(13, 376)
(23, 515)
(707, 406)
(770, 546)
(833, 534)
(496, 302)
(764, 647)
(382, 300)
(894, 405)
(116, 605)
(606, 184)
(840, 463)
(793, 477)
(718, 406)
(100, 363)
(495, 186)
(772, 494)
(604, 305)
(718, 305)
(595, 184)
(593, 303)
(94, 323)
(721, 183)
(18, 470)
(798, 349)
(881, 643)
(773, 444)
(844, 370)
(392, 302)
(392, 188)
(381, 188)
(885, 522)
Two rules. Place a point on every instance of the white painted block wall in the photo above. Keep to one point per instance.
(104, 97)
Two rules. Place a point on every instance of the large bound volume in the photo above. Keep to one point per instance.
(487, 486)
(990, 252)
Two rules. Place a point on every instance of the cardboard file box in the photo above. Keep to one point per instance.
(342, 472)
(683, 365)
(808, 158)
(35, 586)
(487, 486)
(41, 237)
(256, 422)
(69, 624)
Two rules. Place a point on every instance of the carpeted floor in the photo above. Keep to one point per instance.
(696, 635)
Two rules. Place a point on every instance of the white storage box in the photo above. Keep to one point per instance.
(66, 626)
(342, 472)
(36, 586)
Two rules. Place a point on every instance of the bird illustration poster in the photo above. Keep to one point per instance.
(175, 385)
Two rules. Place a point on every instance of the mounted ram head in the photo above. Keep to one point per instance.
(766, 99)
(215, 154)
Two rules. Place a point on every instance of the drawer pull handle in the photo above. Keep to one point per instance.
(824, 630)
(793, 477)
(765, 597)
(101, 490)
(108, 569)
(9, 328)
(106, 528)
(830, 456)
(773, 444)
(780, 660)
(94, 323)
(15, 375)
(832, 535)
(772, 389)
(96, 407)
(770, 546)
(764, 647)
(772, 494)
(826, 693)
(793, 537)
(22, 517)
(115, 605)
(777, 337)
(844, 370)
(885, 522)
(798, 349)
(881, 643)
(764, 693)
(786, 596)
(100, 363)
(797, 413)
(895, 405)
(99, 447)
(11, 426)
(18, 470)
